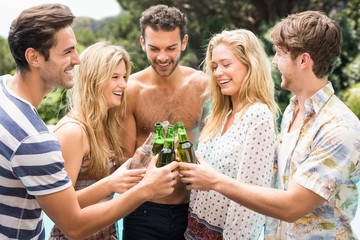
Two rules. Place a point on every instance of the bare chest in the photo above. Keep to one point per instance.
(157, 106)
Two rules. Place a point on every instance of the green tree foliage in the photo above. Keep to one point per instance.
(206, 18)
(344, 70)
(209, 17)
(352, 99)
(124, 30)
(7, 63)
(54, 106)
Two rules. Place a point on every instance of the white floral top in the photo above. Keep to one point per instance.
(244, 152)
(326, 161)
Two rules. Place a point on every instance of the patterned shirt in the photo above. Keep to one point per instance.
(326, 161)
(244, 152)
(31, 164)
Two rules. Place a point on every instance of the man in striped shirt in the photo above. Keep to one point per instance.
(32, 175)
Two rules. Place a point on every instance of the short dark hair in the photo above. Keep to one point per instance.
(35, 28)
(163, 17)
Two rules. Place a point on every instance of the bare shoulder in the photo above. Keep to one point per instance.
(72, 136)
(68, 127)
(135, 82)
(136, 85)
(194, 76)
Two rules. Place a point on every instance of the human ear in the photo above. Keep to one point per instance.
(184, 42)
(32, 57)
(142, 42)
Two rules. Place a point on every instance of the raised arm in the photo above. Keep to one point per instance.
(74, 146)
(76, 223)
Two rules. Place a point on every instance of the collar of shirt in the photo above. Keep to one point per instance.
(313, 105)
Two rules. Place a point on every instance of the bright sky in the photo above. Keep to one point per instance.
(81, 8)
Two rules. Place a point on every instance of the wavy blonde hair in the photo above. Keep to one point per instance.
(257, 87)
(87, 102)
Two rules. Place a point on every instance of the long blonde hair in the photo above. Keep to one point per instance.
(257, 87)
(87, 102)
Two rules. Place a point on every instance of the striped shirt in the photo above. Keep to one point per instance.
(31, 164)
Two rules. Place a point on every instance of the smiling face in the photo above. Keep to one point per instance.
(227, 70)
(163, 49)
(115, 86)
(287, 67)
(58, 69)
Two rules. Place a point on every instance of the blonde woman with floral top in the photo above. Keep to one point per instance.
(239, 137)
(318, 156)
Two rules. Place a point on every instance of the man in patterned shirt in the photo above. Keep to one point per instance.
(319, 147)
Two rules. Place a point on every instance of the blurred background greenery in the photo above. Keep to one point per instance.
(206, 18)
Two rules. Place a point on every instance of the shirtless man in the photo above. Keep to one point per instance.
(163, 91)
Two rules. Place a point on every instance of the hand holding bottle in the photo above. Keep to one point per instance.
(123, 179)
(201, 176)
(160, 181)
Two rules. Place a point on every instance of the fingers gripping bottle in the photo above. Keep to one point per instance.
(159, 139)
(143, 154)
(167, 154)
(185, 149)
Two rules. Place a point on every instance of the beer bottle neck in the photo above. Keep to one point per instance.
(182, 137)
(170, 132)
(159, 131)
(169, 143)
(150, 139)
(159, 137)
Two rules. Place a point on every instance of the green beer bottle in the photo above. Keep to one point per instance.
(159, 139)
(170, 133)
(185, 149)
(167, 154)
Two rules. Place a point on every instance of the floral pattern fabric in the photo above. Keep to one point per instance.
(244, 152)
(325, 160)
